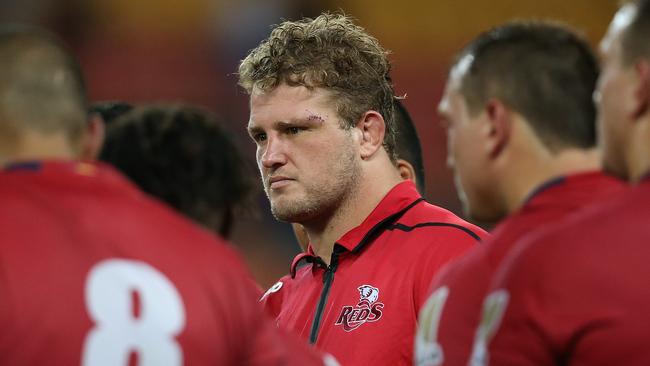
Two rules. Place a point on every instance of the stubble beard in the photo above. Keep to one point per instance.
(321, 199)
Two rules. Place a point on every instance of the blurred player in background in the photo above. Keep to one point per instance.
(183, 156)
(521, 131)
(93, 271)
(322, 116)
(99, 116)
(109, 111)
(577, 293)
(409, 161)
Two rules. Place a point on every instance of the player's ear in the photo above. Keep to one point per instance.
(497, 128)
(373, 128)
(406, 170)
(93, 139)
(642, 92)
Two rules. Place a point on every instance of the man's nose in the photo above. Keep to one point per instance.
(274, 154)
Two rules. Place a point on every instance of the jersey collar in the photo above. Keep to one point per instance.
(398, 200)
(578, 183)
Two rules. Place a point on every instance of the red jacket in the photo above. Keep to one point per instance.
(577, 294)
(92, 272)
(362, 308)
(451, 316)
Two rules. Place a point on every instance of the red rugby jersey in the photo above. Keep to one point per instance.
(363, 307)
(449, 319)
(92, 272)
(577, 293)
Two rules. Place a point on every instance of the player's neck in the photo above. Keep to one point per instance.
(371, 189)
(637, 153)
(520, 182)
(36, 146)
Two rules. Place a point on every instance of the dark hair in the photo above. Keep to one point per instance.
(183, 156)
(635, 43)
(109, 111)
(542, 70)
(329, 52)
(407, 143)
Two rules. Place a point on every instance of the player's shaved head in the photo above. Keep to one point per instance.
(544, 71)
(635, 38)
(41, 85)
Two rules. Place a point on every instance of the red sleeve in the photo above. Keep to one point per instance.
(443, 248)
(448, 319)
(273, 298)
(508, 327)
(519, 321)
(263, 343)
(272, 346)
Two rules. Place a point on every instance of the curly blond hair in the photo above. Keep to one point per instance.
(329, 52)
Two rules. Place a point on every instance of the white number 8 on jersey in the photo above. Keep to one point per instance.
(118, 332)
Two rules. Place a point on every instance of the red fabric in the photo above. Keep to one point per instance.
(467, 281)
(64, 223)
(577, 292)
(398, 263)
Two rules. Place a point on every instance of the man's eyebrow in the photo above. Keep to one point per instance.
(299, 121)
(279, 125)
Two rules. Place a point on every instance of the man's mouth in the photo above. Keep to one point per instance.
(277, 182)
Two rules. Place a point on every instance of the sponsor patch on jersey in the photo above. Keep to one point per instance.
(368, 309)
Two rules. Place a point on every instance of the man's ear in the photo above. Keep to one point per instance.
(642, 93)
(498, 127)
(406, 170)
(93, 139)
(373, 129)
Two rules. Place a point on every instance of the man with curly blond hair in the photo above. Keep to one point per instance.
(321, 115)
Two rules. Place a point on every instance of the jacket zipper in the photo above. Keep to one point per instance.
(328, 278)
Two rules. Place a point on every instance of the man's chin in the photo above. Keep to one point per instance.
(482, 214)
(287, 214)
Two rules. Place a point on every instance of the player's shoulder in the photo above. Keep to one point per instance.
(570, 239)
(174, 233)
(272, 300)
(428, 219)
(467, 268)
(600, 221)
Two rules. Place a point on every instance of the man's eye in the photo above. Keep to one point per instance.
(293, 130)
(259, 137)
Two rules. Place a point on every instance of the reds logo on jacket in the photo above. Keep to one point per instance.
(367, 310)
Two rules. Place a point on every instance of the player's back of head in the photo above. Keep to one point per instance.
(111, 110)
(41, 85)
(635, 42)
(183, 156)
(544, 71)
(407, 143)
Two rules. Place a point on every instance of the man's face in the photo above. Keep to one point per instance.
(309, 164)
(465, 154)
(615, 96)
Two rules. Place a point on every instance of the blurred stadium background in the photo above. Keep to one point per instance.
(172, 50)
